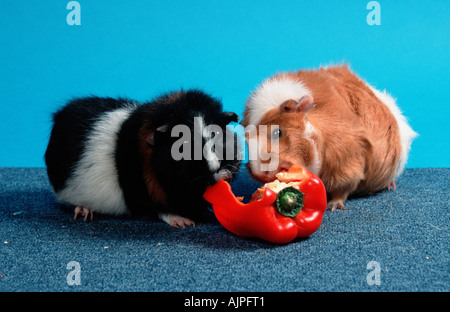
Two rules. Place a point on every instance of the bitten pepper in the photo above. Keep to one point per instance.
(277, 218)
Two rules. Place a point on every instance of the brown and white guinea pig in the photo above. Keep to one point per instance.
(351, 135)
(114, 156)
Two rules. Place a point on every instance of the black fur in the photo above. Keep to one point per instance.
(186, 180)
(71, 126)
(129, 166)
(183, 181)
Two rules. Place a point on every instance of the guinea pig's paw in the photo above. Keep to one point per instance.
(84, 212)
(176, 220)
(392, 184)
(333, 205)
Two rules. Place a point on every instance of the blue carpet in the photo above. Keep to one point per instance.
(405, 232)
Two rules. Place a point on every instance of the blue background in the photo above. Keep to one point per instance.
(139, 49)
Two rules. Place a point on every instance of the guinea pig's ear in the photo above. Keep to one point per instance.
(160, 130)
(228, 117)
(304, 105)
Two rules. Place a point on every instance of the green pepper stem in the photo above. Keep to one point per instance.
(289, 201)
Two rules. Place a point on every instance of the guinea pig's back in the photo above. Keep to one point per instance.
(80, 153)
(374, 112)
(382, 119)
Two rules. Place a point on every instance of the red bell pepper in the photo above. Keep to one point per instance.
(262, 218)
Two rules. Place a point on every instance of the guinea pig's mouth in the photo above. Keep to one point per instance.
(264, 176)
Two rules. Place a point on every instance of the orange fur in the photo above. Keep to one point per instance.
(357, 137)
(154, 189)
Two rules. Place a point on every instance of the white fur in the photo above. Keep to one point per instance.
(212, 160)
(309, 132)
(94, 182)
(271, 94)
(223, 174)
(176, 220)
(407, 134)
(211, 157)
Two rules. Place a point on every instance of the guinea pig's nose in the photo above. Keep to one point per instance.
(269, 176)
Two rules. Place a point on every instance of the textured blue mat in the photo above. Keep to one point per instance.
(405, 231)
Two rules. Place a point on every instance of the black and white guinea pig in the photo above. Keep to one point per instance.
(115, 156)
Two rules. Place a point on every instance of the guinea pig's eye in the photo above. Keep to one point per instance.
(276, 133)
(214, 134)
